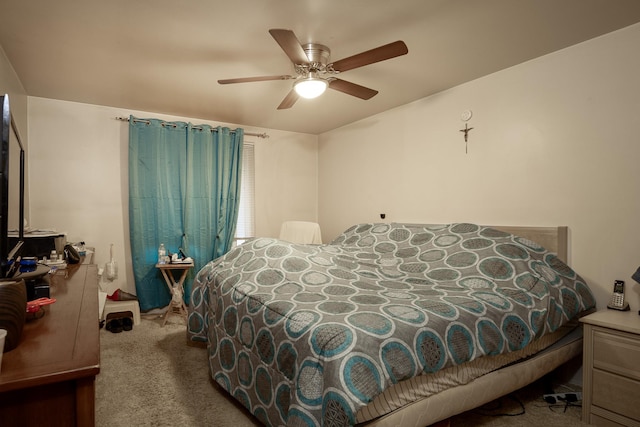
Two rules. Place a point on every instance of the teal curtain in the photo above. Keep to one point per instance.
(184, 185)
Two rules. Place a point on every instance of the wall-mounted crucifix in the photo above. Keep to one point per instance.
(466, 131)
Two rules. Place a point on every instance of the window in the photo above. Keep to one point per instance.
(245, 227)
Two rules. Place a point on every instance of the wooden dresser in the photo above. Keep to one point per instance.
(48, 380)
(611, 368)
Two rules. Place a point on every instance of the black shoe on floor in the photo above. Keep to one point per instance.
(127, 323)
(114, 325)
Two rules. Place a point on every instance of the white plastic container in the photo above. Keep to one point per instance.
(162, 254)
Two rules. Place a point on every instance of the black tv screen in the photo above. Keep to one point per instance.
(12, 163)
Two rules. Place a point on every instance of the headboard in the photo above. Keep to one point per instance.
(554, 239)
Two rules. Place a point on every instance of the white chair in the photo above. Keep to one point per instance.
(301, 232)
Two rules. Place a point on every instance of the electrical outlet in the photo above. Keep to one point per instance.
(562, 397)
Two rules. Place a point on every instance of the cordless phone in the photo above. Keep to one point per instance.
(617, 301)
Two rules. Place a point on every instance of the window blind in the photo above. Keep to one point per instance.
(245, 227)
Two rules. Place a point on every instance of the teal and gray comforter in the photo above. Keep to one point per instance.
(305, 335)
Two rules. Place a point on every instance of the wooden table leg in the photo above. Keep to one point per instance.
(172, 284)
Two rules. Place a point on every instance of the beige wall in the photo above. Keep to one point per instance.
(555, 142)
(79, 176)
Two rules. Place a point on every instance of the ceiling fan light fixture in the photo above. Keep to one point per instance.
(310, 87)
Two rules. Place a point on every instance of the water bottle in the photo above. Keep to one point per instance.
(162, 254)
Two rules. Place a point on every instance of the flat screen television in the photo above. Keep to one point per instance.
(12, 200)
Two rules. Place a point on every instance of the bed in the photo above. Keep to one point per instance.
(389, 324)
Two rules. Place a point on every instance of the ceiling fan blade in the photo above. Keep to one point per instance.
(290, 44)
(352, 89)
(288, 100)
(254, 79)
(378, 54)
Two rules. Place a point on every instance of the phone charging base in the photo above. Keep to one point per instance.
(625, 307)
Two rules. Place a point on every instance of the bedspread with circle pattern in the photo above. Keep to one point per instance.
(305, 335)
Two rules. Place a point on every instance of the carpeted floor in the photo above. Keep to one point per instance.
(523, 408)
(150, 377)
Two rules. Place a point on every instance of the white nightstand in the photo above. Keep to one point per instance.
(611, 368)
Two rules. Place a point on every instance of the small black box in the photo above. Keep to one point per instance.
(37, 288)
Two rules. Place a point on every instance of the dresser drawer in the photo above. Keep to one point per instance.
(604, 422)
(617, 394)
(616, 353)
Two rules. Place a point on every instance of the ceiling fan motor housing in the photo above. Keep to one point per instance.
(318, 55)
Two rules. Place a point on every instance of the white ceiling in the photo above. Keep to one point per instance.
(166, 56)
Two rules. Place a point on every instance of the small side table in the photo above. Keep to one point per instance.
(611, 376)
(176, 288)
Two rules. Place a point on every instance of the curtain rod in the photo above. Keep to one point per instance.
(126, 119)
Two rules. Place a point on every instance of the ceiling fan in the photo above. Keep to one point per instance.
(314, 72)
